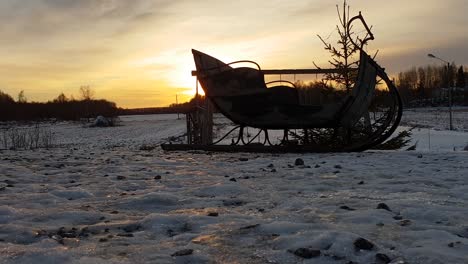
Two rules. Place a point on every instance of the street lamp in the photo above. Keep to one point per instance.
(449, 86)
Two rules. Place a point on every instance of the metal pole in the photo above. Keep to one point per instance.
(450, 95)
(430, 55)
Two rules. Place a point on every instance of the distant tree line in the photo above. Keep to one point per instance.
(428, 85)
(171, 109)
(61, 107)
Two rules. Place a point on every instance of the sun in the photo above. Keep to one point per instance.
(181, 77)
(193, 91)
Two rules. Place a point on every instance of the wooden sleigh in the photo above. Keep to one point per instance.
(361, 119)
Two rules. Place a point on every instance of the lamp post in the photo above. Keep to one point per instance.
(449, 86)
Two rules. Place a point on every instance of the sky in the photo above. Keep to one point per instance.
(138, 53)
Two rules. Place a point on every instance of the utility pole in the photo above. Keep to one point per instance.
(449, 87)
(450, 95)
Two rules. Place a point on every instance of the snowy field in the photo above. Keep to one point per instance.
(97, 197)
(437, 118)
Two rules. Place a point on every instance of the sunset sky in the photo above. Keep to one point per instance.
(138, 53)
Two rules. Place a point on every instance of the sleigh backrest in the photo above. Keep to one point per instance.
(220, 79)
(363, 91)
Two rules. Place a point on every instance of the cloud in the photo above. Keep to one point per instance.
(454, 50)
(46, 20)
(49, 44)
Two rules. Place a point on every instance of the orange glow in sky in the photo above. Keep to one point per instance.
(138, 53)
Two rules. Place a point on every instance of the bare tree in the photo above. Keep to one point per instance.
(86, 92)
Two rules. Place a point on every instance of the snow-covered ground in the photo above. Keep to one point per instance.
(99, 198)
(437, 118)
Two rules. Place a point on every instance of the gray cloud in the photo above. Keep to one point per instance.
(453, 51)
(73, 33)
(33, 20)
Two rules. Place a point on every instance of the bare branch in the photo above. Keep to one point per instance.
(339, 14)
(375, 55)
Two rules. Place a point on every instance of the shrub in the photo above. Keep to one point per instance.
(397, 142)
(27, 138)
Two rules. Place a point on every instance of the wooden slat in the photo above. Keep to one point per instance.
(302, 71)
(296, 71)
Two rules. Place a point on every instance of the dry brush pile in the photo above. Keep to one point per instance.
(34, 137)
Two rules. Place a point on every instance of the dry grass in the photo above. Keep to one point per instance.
(14, 138)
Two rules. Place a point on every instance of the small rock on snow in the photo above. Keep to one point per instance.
(363, 244)
(183, 252)
(398, 217)
(306, 253)
(249, 227)
(405, 222)
(345, 207)
(299, 162)
(383, 206)
(213, 214)
(233, 202)
(382, 258)
(452, 244)
(125, 235)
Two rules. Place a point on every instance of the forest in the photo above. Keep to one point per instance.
(429, 85)
(62, 107)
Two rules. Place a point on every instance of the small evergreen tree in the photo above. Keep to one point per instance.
(343, 59)
(22, 98)
(397, 142)
(61, 98)
(343, 55)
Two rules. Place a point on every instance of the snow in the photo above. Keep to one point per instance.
(437, 117)
(96, 198)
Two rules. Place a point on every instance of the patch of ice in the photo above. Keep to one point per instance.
(72, 194)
